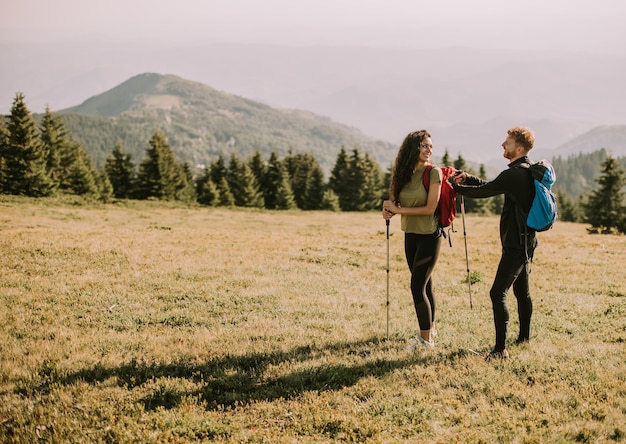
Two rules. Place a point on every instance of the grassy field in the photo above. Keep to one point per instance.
(143, 322)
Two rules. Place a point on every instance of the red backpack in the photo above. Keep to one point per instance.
(446, 209)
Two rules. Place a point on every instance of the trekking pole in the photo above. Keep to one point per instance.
(387, 223)
(469, 280)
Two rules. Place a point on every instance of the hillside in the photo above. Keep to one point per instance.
(201, 123)
(610, 137)
(577, 174)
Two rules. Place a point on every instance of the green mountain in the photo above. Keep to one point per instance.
(201, 123)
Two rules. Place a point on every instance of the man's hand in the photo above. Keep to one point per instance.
(458, 178)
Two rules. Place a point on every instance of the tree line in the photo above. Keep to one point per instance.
(46, 160)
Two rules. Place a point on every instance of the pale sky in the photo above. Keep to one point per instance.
(593, 25)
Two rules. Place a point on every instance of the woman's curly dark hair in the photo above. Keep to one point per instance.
(408, 155)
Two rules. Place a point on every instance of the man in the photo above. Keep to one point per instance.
(518, 241)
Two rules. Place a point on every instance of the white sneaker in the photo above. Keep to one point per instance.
(433, 332)
(418, 341)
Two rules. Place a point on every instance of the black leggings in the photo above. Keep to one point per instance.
(422, 252)
(512, 271)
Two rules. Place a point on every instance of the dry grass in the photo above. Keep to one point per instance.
(137, 322)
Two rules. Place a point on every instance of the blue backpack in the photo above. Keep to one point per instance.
(543, 211)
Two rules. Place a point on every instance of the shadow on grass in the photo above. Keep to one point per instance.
(241, 379)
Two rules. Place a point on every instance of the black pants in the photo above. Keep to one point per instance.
(512, 271)
(422, 252)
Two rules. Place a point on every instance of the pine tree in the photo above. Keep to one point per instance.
(251, 194)
(82, 180)
(104, 186)
(604, 209)
(4, 140)
(371, 192)
(235, 180)
(284, 196)
(472, 205)
(482, 172)
(387, 182)
(55, 139)
(364, 184)
(297, 168)
(120, 170)
(357, 181)
(568, 210)
(300, 167)
(25, 157)
(354, 181)
(274, 178)
(460, 163)
(289, 163)
(330, 202)
(339, 181)
(259, 169)
(278, 194)
(184, 185)
(206, 189)
(479, 206)
(80, 177)
(67, 161)
(225, 196)
(150, 175)
(160, 176)
(67, 158)
(315, 188)
(445, 160)
(218, 171)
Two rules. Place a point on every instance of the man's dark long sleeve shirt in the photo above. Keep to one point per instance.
(516, 184)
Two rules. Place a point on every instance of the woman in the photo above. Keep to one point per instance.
(422, 238)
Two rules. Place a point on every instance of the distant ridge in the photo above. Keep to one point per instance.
(202, 123)
(610, 137)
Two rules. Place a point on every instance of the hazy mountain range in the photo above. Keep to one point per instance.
(467, 98)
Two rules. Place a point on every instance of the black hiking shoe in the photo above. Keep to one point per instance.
(497, 354)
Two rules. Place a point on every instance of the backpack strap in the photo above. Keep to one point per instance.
(426, 181)
(521, 216)
(426, 177)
